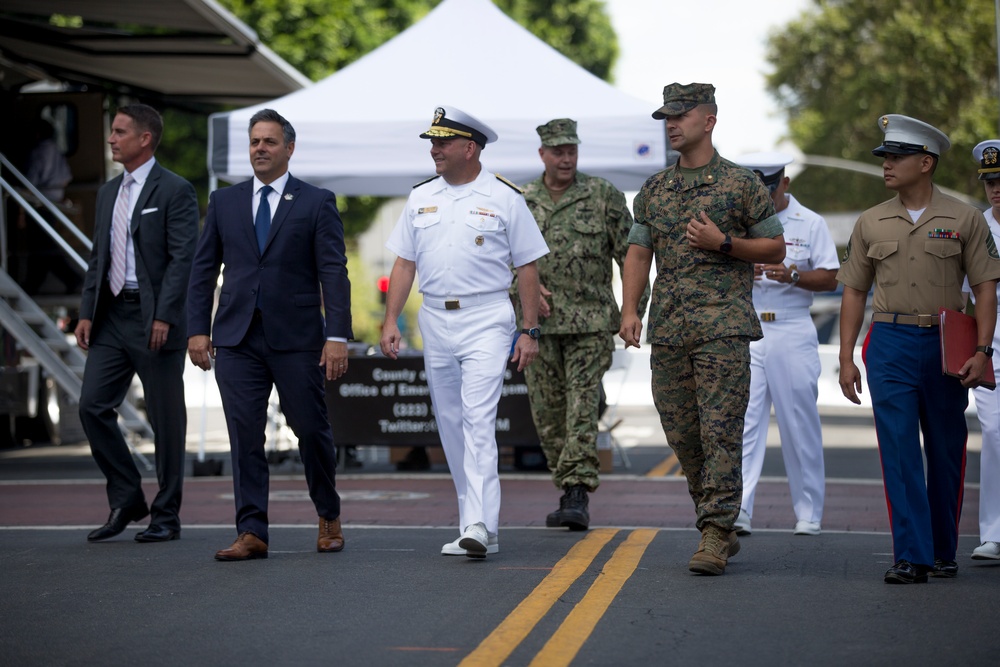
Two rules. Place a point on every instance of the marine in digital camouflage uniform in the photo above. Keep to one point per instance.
(585, 221)
(706, 220)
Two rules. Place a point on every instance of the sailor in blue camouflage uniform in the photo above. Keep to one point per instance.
(706, 220)
(585, 221)
(462, 231)
(916, 248)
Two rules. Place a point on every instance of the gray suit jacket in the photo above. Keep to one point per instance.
(164, 232)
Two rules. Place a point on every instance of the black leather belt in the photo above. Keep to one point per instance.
(129, 295)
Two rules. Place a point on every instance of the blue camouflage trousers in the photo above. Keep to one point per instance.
(564, 390)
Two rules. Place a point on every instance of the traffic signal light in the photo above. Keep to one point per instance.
(383, 287)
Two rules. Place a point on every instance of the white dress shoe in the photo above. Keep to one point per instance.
(452, 548)
(806, 528)
(475, 540)
(742, 524)
(987, 551)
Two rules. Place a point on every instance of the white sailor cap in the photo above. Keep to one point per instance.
(452, 122)
(987, 154)
(909, 136)
(768, 165)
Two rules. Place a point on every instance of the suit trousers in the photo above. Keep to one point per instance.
(784, 370)
(119, 350)
(465, 357)
(910, 397)
(245, 374)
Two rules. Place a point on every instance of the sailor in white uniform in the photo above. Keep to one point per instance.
(784, 364)
(987, 154)
(461, 231)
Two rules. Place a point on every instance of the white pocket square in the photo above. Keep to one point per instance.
(149, 210)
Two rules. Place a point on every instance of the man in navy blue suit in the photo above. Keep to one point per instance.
(283, 319)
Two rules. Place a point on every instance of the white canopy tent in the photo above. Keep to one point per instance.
(357, 130)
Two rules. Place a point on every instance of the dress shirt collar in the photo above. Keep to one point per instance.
(278, 184)
(142, 173)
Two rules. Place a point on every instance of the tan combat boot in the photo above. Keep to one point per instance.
(714, 550)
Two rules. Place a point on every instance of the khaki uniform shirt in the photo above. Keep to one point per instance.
(701, 295)
(585, 231)
(918, 268)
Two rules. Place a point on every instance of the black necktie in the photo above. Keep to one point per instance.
(263, 220)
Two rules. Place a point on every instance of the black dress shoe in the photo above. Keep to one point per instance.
(157, 533)
(117, 521)
(947, 569)
(905, 572)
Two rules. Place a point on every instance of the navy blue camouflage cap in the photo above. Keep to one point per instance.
(909, 136)
(451, 122)
(987, 154)
(678, 98)
(558, 132)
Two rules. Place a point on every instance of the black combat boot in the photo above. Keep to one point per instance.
(574, 513)
(554, 519)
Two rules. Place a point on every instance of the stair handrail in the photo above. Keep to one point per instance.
(43, 223)
(59, 215)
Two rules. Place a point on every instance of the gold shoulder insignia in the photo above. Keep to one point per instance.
(426, 181)
(509, 184)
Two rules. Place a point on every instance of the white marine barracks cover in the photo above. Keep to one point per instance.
(358, 129)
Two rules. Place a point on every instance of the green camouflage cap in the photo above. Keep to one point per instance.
(558, 132)
(677, 98)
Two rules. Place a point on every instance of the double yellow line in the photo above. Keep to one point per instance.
(567, 640)
(669, 466)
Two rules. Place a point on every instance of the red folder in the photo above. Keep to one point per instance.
(959, 337)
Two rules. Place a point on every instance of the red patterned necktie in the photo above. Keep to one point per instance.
(119, 237)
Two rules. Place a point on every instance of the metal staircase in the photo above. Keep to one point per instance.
(37, 333)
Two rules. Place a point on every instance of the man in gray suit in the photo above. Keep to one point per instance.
(132, 321)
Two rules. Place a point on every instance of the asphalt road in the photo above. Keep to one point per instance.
(617, 594)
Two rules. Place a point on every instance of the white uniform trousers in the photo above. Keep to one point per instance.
(988, 408)
(784, 370)
(465, 356)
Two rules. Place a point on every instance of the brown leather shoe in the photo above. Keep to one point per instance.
(246, 547)
(331, 537)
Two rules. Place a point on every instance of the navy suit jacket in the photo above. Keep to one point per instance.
(164, 229)
(305, 295)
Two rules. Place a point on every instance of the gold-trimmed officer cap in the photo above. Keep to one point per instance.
(678, 99)
(558, 132)
(451, 122)
(768, 165)
(909, 136)
(987, 154)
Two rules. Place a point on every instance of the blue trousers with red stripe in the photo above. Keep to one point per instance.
(910, 396)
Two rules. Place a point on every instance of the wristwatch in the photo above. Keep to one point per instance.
(727, 244)
(534, 332)
(985, 349)
(794, 275)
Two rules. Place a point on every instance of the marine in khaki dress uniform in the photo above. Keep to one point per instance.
(916, 249)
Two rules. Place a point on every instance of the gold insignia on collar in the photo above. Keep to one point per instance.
(709, 178)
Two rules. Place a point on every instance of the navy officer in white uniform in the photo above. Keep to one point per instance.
(784, 364)
(987, 154)
(462, 231)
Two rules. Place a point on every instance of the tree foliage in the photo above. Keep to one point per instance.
(844, 63)
(319, 37)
